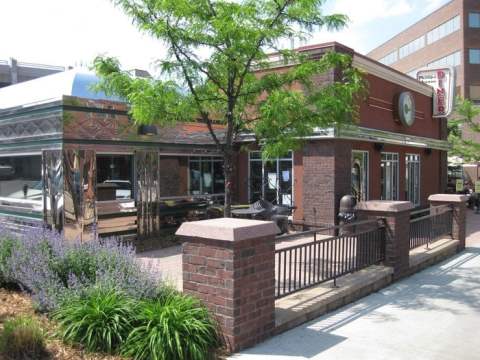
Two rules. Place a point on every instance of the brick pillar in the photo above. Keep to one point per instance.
(459, 204)
(397, 241)
(230, 265)
(326, 178)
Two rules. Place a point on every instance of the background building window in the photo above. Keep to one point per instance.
(270, 180)
(389, 176)
(206, 175)
(360, 175)
(453, 59)
(413, 73)
(390, 58)
(114, 177)
(21, 183)
(412, 179)
(411, 47)
(474, 56)
(474, 20)
(443, 30)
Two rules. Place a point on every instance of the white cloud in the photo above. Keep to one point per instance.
(433, 5)
(69, 32)
(361, 12)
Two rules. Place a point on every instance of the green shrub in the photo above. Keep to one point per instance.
(173, 326)
(100, 320)
(22, 338)
(80, 262)
(7, 244)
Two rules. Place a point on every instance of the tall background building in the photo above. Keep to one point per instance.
(13, 71)
(450, 36)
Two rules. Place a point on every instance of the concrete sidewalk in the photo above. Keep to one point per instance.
(434, 314)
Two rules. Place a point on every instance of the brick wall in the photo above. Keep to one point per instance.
(236, 281)
(326, 178)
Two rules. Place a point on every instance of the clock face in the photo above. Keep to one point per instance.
(406, 108)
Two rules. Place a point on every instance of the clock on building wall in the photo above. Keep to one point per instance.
(406, 108)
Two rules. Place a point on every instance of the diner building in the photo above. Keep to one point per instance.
(73, 159)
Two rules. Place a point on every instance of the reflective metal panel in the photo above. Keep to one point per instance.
(147, 172)
(89, 180)
(52, 172)
(79, 194)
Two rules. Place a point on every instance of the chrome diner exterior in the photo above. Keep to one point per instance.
(72, 159)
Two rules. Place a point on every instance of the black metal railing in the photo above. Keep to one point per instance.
(425, 229)
(313, 262)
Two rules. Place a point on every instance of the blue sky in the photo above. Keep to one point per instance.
(73, 32)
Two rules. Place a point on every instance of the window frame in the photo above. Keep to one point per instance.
(470, 15)
(411, 47)
(277, 161)
(443, 61)
(441, 31)
(366, 156)
(470, 50)
(133, 196)
(397, 162)
(201, 160)
(28, 211)
(418, 162)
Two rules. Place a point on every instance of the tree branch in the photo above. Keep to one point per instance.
(203, 113)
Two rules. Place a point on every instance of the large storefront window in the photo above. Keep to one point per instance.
(206, 175)
(389, 176)
(412, 180)
(270, 180)
(21, 182)
(360, 175)
(114, 177)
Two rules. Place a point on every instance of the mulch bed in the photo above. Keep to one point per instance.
(13, 303)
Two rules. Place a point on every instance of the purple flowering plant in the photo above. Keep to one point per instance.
(53, 269)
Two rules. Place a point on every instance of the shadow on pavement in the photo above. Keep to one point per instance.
(453, 281)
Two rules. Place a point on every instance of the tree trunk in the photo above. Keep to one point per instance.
(228, 170)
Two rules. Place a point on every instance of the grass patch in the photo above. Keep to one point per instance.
(23, 338)
(173, 326)
(100, 321)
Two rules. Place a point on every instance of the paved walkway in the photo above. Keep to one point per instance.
(434, 314)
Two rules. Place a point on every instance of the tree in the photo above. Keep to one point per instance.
(463, 145)
(215, 52)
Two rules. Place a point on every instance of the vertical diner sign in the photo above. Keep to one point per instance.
(442, 80)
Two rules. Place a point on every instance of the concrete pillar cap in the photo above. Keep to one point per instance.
(384, 205)
(228, 229)
(453, 198)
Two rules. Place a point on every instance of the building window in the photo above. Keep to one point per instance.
(453, 59)
(21, 185)
(360, 175)
(412, 180)
(413, 73)
(411, 47)
(114, 177)
(270, 180)
(206, 175)
(474, 20)
(443, 30)
(474, 93)
(390, 58)
(474, 56)
(389, 176)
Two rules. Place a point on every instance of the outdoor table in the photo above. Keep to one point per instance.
(248, 212)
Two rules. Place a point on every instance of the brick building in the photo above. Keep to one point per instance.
(75, 160)
(378, 158)
(450, 36)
